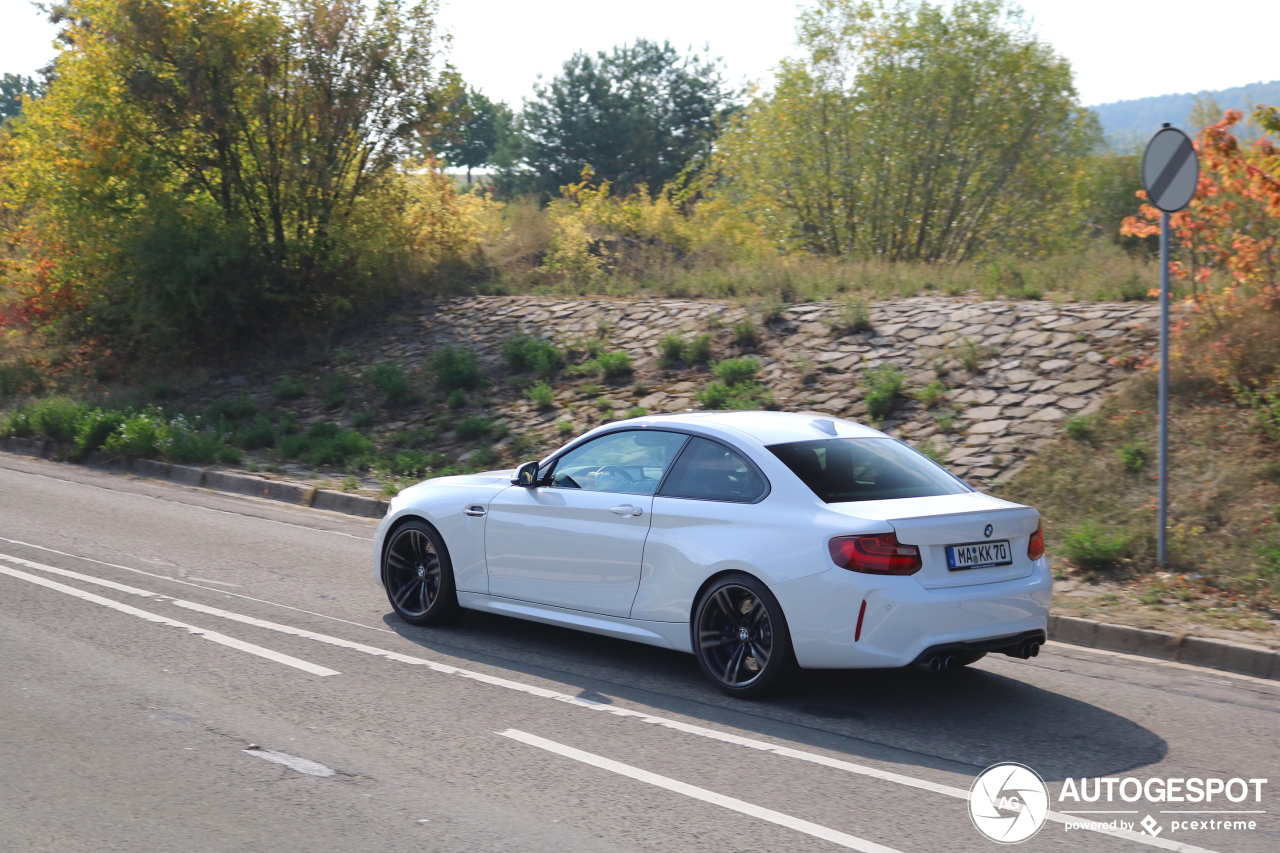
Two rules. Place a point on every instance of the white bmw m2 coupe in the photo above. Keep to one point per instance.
(758, 541)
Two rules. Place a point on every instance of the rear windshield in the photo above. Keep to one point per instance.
(865, 469)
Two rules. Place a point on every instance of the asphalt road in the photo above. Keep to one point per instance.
(188, 671)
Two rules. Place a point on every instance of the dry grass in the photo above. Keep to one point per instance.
(516, 251)
(1097, 489)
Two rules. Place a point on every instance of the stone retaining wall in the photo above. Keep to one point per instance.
(1039, 362)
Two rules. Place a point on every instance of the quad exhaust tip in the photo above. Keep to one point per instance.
(943, 663)
(1027, 650)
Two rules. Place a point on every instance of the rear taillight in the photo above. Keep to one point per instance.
(875, 555)
(1035, 545)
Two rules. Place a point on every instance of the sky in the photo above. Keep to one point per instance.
(1119, 50)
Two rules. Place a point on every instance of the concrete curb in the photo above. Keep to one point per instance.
(208, 478)
(1183, 648)
(1195, 651)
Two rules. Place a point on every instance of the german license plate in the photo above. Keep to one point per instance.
(979, 555)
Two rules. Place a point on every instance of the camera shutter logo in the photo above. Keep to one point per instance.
(1008, 803)
(988, 530)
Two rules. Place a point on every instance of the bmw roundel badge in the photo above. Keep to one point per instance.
(987, 531)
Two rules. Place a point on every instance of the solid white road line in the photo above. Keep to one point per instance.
(222, 639)
(851, 842)
(67, 573)
(196, 585)
(664, 722)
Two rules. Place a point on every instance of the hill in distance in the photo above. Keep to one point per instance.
(1126, 122)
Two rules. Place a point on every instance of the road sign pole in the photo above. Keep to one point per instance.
(1170, 174)
(1162, 520)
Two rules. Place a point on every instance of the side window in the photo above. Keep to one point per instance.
(630, 462)
(712, 472)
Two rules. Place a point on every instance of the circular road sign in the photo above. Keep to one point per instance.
(1170, 170)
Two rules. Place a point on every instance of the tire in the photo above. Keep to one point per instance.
(418, 575)
(736, 622)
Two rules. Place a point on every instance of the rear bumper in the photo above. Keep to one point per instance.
(903, 620)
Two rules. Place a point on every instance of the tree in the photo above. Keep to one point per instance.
(14, 89)
(482, 135)
(203, 168)
(638, 116)
(910, 131)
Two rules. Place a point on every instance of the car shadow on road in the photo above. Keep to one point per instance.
(960, 722)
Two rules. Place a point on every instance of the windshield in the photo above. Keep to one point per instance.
(865, 469)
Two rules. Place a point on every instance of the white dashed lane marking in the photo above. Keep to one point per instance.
(213, 636)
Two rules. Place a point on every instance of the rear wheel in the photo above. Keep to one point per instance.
(418, 575)
(740, 637)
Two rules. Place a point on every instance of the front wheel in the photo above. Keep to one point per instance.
(740, 637)
(418, 575)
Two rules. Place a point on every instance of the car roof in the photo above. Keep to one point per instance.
(768, 427)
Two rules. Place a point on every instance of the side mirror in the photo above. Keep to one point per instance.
(526, 475)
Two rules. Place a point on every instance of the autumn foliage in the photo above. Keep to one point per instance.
(1226, 248)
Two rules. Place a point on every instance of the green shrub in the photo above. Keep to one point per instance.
(718, 394)
(932, 394)
(96, 426)
(256, 435)
(140, 435)
(407, 462)
(970, 355)
(472, 426)
(698, 349)
(363, 419)
(457, 399)
(1078, 427)
(637, 412)
(883, 386)
(564, 427)
(325, 444)
(1090, 546)
(614, 365)
(53, 417)
(746, 333)
(733, 371)
(289, 388)
(852, 315)
(238, 409)
(1264, 405)
(456, 368)
(542, 395)
(1133, 456)
(945, 419)
(523, 353)
(390, 381)
(671, 350)
(187, 443)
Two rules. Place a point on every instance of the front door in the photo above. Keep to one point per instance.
(576, 540)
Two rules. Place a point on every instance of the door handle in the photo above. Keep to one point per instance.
(627, 509)
(474, 511)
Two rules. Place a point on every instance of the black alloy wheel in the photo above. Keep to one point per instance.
(740, 637)
(418, 576)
